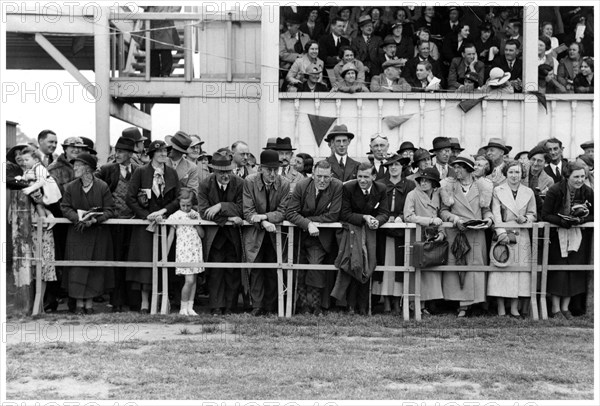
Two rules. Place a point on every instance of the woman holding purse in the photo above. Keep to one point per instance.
(152, 195)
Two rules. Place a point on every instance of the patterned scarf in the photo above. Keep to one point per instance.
(158, 182)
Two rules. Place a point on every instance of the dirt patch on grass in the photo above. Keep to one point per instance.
(65, 388)
(461, 389)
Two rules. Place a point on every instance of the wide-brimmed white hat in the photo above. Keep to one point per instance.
(498, 77)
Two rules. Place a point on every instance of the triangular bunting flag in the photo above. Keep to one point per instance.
(467, 105)
(395, 121)
(541, 99)
(320, 125)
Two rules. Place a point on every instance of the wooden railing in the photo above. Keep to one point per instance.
(285, 295)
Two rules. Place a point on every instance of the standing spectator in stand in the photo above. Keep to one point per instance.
(496, 149)
(284, 147)
(568, 246)
(297, 74)
(90, 194)
(442, 148)
(291, 44)
(317, 199)
(366, 45)
(584, 80)
(152, 195)
(380, 146)
(48, 142)
(330, 44)
(349, 83)
(390, 242)
(466, 287)
(164, 38)
(422, 207)
(241, 152)
(424, 54)
(547, 81)
(220, 200)
(138, 138)
(364, 203)
(570, 65)
(512, 202)
(265, 200)
(557, 163)
(536, 178)
(459, 67)
(545, 58)
(511, 63)
(117, 175)
(342, 166)
(187, 172)
(313, 26)
(348, 57)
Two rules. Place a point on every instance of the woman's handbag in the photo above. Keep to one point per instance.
(429, 253)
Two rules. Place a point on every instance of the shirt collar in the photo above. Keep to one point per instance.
(221, 186)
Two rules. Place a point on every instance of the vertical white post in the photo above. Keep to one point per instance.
(102, 78)
(530, 69)
(269, 72)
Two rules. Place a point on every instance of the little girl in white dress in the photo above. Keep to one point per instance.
(188, 249)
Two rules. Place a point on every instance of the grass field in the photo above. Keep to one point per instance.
(129, 356)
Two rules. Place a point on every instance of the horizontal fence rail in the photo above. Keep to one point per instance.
(285, 296)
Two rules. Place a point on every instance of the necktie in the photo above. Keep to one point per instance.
(342, 164)
(381, 172)
(368, 40)
(222, 193)
(127, 173)
(557, 172)
(318, 198)
(298, 46)
(337, 42)
(268, 196)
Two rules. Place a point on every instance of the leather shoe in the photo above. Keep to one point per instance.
(80, 311)
(257, 312)
(144, 311)
(558, 315)
(226, 312)
(567, 314)
(89, 311)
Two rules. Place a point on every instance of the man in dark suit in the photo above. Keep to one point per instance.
(510, 62)
(442, 148)
(265, 199)
(388, 46)
(241, 152)
(410, 68)
(459, 67)
(291, 43)
(364, 202)
(366, 45)
(329, 46)
(557, 163)
(48, 141)
(342, 166)
(220, 200)
(380, 146)
(315, 200)
(117, 176)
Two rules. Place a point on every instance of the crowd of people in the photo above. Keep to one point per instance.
(176, 179)
(421, 49)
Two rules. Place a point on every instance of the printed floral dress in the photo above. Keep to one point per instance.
(48, 271)
(188, 245)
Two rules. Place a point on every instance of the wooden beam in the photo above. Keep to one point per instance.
(35, 23)
(65, 63)
(127, 88)
(128, 113)
(102, 78)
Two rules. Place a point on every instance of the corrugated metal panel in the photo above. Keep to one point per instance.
(221, 122)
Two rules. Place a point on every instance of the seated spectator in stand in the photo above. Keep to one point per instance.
(404, 44)
(487, 45)
(390, 80)
(401, 16)
(313, 27)
(500, 21)
(569, 66)
(425, 80)
(498, 82)
(291, 43)
(423, 36)
(547, 82)
(547, 31)
(380, 29)
(581, 35)
(350, 84)
(509, 62)
(430, 21)
(350, 29)
(512, 31)
(584, 80)
(296, 76)
(468, 63)
(312, 84)
(410, 69)
(389, 54)
(348, 56)
(330, 44)
(453, 44)
(451, 24)
(471, 83)
(543, 56)
(366, 45)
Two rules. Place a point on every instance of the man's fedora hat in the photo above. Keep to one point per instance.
(440, 143)
(87, 159)
(455, 144)
(396, 158)
(270, 159)
(389, 40)
(195, 140)
(89, 145)
(419, 155)
(498, 143)
(538, 149)
(364, 20)
(393, 63)
(588, 144)
(271, 142)
(222, 160)
(498, 77)
(431, 174)
(180, 141)
(407, 145)
(293, 19)
(465, 160)
(134, 134)
(126, 144)
(339, 130)
(283, 144)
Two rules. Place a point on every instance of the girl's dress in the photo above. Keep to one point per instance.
(47, 254)
(189, 245)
